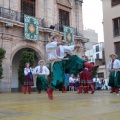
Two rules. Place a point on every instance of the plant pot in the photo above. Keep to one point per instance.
(22, 88)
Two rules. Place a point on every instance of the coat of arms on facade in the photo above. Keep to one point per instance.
(31, 26)
(69, 34)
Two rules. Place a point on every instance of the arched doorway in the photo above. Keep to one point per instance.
(15, 66)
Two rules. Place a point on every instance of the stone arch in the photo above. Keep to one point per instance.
(25, 45)
(15, 58)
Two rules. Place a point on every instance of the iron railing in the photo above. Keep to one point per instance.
(16, 16)
(59, 28)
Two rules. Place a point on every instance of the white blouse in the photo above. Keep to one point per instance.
(51, 50)
(71, 80)
(45, 70)
(116, 64)
(27, 70)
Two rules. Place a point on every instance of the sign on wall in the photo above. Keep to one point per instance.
(69, 34)
(31, 26)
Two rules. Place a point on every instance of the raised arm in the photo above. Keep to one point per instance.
(68, 48)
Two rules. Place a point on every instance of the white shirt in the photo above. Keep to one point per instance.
(51, 50)
(96, 80)
(27, 70)
(71, 80)
(116, 64)
(45, 70)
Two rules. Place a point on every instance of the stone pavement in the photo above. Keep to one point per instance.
(66, 106)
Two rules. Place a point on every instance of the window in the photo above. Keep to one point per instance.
(101, 75)
(28, 7)
(63, 19)
(117, 49)
(97, 48)
(115, 2)
(97, 56)
(116, 26)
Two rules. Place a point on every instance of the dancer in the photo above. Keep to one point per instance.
(28, 81)
(41, 71)
(73, 65)
(114, 76)
(86, 79)
(66, 83)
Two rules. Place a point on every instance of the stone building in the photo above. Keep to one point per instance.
(111, 24)
(50, 14)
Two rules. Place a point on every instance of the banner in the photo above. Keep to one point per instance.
(31, 28)
(69, 34)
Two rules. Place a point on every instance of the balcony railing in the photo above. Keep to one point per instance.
(16, 16)
(59, 28)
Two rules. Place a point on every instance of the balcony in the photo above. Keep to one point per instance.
(16, 16)
(59, 28)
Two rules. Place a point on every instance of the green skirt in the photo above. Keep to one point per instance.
(114, 80)
(41, 83)
(117, 80)
(72, 66)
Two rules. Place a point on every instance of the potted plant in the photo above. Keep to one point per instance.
(2, 55)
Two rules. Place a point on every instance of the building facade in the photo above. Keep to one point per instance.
(92, 36)
(99, 57)
(111, 24)
(51, 14)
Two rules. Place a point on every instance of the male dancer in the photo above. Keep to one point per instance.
(41, 71)
(56, 52)
(114, 76)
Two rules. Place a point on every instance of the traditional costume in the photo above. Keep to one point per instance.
(72, 65)
(86, 81)
(66, 83)
(114, 76)
(28, 81)
(41, 81)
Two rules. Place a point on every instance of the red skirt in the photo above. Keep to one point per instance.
(28, 81)
(86, 78)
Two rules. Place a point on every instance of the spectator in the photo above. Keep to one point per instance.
(97, 83)
(71, 81)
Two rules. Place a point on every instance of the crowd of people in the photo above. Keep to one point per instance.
(69, 70)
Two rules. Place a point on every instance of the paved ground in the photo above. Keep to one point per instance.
(66, 106)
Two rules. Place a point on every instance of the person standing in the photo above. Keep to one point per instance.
(56, 52)
(85, 79)
(28, 81)
(113, 67)
(42, 72)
